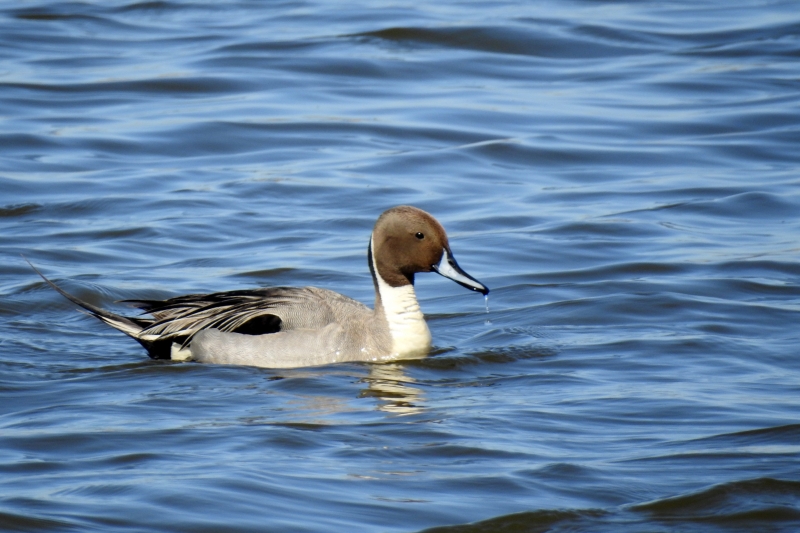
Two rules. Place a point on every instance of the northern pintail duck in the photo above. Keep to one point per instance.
(283, 327)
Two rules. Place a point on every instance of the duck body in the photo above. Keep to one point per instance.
(306, 326)
(285, 327)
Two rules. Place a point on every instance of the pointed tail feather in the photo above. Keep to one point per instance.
(129, 326)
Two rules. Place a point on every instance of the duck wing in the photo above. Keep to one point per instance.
(253, 312)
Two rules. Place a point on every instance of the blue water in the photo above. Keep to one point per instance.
(624, 176)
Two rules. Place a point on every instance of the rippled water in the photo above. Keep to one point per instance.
(623, 175)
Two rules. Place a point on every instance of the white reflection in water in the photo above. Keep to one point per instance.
(390, 384)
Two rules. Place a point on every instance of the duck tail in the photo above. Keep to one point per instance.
(129, 326)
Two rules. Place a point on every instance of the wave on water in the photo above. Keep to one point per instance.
(742, 506)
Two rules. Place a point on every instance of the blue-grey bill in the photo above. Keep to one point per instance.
(448, 268)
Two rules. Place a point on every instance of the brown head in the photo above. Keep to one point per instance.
(407, 240)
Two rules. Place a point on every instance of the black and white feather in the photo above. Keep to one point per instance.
(178, 320)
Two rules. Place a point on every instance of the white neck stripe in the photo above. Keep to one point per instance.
(407, 327)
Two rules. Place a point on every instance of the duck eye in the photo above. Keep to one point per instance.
(419, 235)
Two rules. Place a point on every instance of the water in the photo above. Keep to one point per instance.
(623, 175)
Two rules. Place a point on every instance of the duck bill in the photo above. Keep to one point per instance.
(448, 268)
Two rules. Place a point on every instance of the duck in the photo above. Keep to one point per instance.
(291, 327)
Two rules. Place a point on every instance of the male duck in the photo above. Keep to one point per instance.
(283, 327)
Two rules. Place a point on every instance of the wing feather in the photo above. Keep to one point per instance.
(185, 316)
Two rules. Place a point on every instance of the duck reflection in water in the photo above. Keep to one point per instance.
(390, 384)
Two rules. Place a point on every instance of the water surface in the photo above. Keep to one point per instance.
(623, 175)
